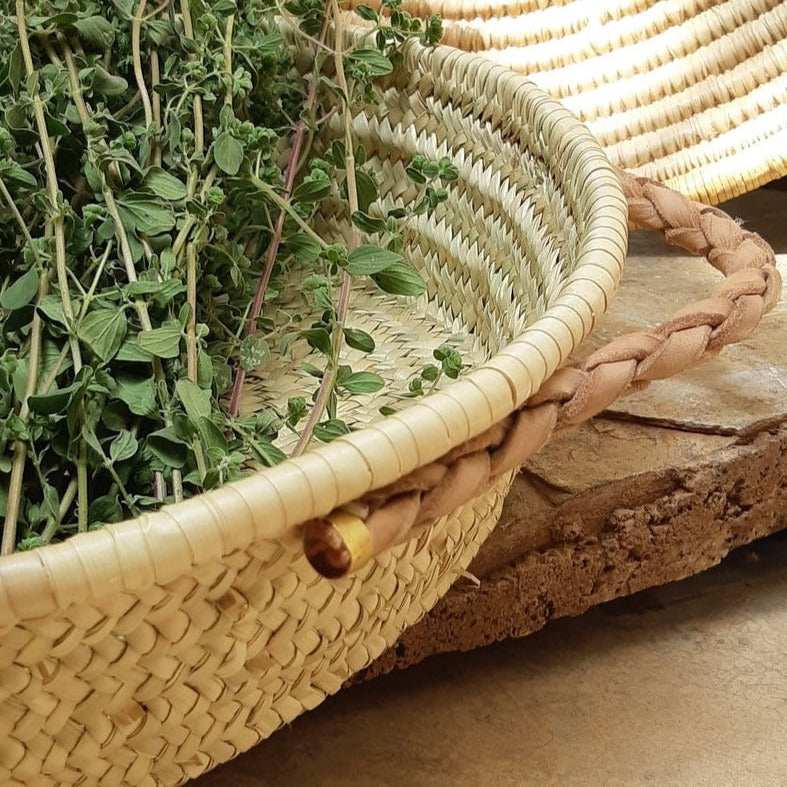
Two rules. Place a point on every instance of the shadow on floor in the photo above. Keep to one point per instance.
(684, 684)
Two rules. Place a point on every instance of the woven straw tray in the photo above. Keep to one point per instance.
(692, 93)
(149, 651)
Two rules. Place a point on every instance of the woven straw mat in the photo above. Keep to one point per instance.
(692, 93)
(150, 651)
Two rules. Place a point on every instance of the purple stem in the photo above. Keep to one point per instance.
(273, 249)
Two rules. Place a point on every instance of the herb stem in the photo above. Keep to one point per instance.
(122, 237)
(285, 208)
(156, 11)
(155, 78)
(121, 486)
(14, 502)
(329, 378)
(96, 278)
(136, 57)
(124, 110)
(177, 485)
(53, 190)
(53, 372)
(199, 131)
(67, 500)
(191, 219)
(191, 295)
(51, 528)
(106, 192)
(19, 219)
(82, 490)
(228, 58)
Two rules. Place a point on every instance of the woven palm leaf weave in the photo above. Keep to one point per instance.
(691, 93)
(150, 651)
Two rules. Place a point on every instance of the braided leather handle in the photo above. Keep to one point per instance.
(349, 537)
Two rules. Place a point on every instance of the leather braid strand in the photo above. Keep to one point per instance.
(750, 289)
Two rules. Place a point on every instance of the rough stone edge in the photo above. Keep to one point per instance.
(736, 497)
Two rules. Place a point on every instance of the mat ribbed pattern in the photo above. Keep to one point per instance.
(692, 93)
(148, 652)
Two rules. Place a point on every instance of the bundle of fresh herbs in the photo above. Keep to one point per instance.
(145, 221)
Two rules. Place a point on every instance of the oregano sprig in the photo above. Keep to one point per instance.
(152, 237)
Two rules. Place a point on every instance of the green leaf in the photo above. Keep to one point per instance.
(330, 430)
(366, 12)
(164, 185)
(359, 340)
(331, 85)
(430, 372)
(367, 223)
(210, 435)
(103, 331)
(13, 174)
(400, 279)
(315, 282)
(204, 370)
(366, 187)
(105, 509)
(114, 416)
(123, 447)
(102, 82)
(162, 342)
(296, 410)
(53, 403)
(228, 153)
(448, 170)
(369, 260)
(375, 62)
(312, 191)
(21, 292)
(19, 379)
(363, 382)
(335, 154)
(318, 338)
(50, 356)
(168, 447)
(131, 352)
(135, 289)
(52, 309)
(267, 452)
(302, 247)
(160, 32)
(96, 32)
(196, 401)
(161, 291)
(16, 67)
(137, 393)
(53, 22)
(145, 214)
(56, 127)
(123, 156)
(254, 352)
(91, 438)
(450, 360)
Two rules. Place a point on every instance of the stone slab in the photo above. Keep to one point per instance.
(660, 487)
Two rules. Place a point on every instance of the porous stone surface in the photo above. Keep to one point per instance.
(660, 487)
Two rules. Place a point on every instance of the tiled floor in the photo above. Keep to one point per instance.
(683, 685)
